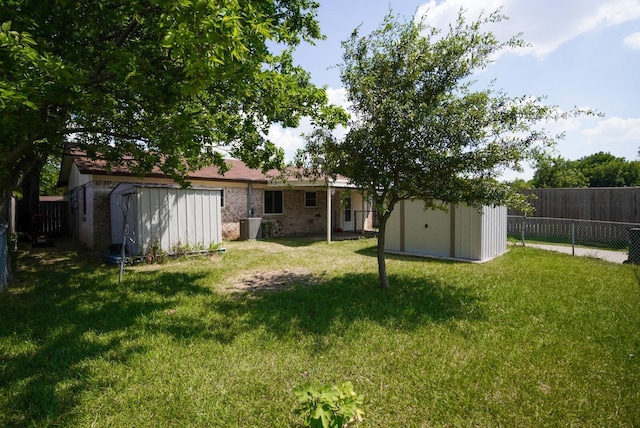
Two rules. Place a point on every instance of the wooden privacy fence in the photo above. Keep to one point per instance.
(617, 204)
(55, 218)
(52, 219)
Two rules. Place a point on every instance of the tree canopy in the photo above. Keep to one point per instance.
(558, 172)
(597, 170)
(165, 82)
(421, 130)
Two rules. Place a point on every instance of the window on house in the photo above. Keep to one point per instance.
(310, 199)
(273, 202)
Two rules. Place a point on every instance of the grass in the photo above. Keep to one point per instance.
(532, 338)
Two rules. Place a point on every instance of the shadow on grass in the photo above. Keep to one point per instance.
(68, 315)
(65, 313)
(308, 240)
(372, 252)
(329, 306)
(294, 242)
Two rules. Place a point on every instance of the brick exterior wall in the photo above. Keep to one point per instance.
(235, 208)
(298, 219)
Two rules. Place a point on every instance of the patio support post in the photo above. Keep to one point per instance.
(328, 214)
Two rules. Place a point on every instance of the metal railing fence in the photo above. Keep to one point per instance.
(605, 235)
(5, 258)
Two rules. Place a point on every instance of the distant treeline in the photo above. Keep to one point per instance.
(598, 170)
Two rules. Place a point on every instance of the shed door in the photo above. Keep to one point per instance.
(427, 231)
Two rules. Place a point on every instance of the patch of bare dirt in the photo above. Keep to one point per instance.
(272, 280)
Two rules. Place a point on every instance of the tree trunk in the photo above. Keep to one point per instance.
(31, 198)
(14, 166)
(382, 262)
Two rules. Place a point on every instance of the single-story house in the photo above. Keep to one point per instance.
(297, 207)
(461, 233)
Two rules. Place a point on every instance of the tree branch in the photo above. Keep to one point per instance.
(96, 76)
(89, 130)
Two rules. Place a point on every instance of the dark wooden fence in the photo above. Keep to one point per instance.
(617, 204)
(55, 218)
(52, 219)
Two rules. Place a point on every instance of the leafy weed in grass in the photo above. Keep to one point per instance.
(328, 406)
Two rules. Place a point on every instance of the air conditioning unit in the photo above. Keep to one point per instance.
(250, 228)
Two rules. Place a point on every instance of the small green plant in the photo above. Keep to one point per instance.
(328, 406)
(213, 247)
(155, 253)
(180, 249)
(267, 228)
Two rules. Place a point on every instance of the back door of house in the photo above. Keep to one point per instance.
(347, 223)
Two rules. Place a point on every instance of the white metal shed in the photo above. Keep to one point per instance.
(464, 232)
(167, 216)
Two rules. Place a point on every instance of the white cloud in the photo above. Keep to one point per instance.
(613, 130)
(632, 41)
(291, 139)
(546, 25)
(338, 97)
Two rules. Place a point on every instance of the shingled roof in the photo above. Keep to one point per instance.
(238, 171)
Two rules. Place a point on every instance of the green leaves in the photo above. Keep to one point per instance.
(328, 406)
(597, 170)
(421, 129)
(166, 82)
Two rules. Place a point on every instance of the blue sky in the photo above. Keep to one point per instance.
(583, 53)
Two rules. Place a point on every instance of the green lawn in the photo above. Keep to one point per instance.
(532, 338)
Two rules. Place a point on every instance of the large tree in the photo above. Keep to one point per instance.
(597, 170)
(421, 130)
(606, 170)
(165, 82)
(556, 171)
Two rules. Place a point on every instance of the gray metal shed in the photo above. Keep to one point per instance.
(464, 232)
(168, 216)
